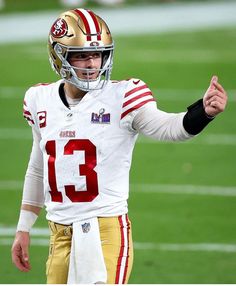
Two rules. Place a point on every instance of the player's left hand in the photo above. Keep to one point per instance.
(215, 98)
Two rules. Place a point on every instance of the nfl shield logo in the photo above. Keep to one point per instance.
(86, 227)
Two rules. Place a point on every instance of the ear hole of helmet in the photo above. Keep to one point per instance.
(105, 59)
(105, 56)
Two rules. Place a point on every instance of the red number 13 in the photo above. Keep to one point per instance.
(86, 169)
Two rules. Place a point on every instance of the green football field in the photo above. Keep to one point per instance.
(183, 195)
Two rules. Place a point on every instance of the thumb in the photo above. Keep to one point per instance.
(25, 254)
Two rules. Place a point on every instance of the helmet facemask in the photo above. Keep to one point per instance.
(69, 72)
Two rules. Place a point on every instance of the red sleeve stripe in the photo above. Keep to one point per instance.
(27, 115)
(122, 262)
(135, 90)
(136, 107)
(42, 84)
(26, 112)
(29, 119)
(136, 98)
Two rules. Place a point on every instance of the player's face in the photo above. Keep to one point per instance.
(86, 60)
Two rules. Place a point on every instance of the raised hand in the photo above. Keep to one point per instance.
(215, 98)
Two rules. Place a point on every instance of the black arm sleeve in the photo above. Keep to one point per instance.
(195, 120)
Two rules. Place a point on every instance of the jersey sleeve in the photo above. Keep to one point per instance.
(136, 95)
(33, 191)
(28, 110)
(160, 125)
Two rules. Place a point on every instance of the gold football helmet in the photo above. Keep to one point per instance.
(80, 30)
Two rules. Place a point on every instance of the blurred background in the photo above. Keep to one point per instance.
(26, 5)
(183, 195)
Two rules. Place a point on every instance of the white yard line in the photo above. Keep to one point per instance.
(209, 247)
(44, 232)
(126, 21)
(10, 185)
(10, 231)
(206, 139)
(16, 133)
(185, 94)
(12, 92)
(33, 241)
(155, 188)
(185, 189)
(17, 92)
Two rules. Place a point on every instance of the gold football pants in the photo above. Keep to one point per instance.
(117, 247)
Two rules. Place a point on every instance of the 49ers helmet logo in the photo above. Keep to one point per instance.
(59, 28)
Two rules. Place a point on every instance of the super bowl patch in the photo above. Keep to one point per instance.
(101, 117)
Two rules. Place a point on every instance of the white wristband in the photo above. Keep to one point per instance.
(26, 220)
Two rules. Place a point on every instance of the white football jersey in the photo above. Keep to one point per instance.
(86, 150)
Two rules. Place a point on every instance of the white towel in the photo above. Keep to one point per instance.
(87, 264)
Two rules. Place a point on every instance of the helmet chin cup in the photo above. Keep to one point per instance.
(87, 85)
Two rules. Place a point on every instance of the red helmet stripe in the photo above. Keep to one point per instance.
(96, 24)
(86, 23)
(91, 23)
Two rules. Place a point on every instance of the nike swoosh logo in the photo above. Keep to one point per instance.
(136, 81)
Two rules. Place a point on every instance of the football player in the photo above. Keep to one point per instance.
(84, 130)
